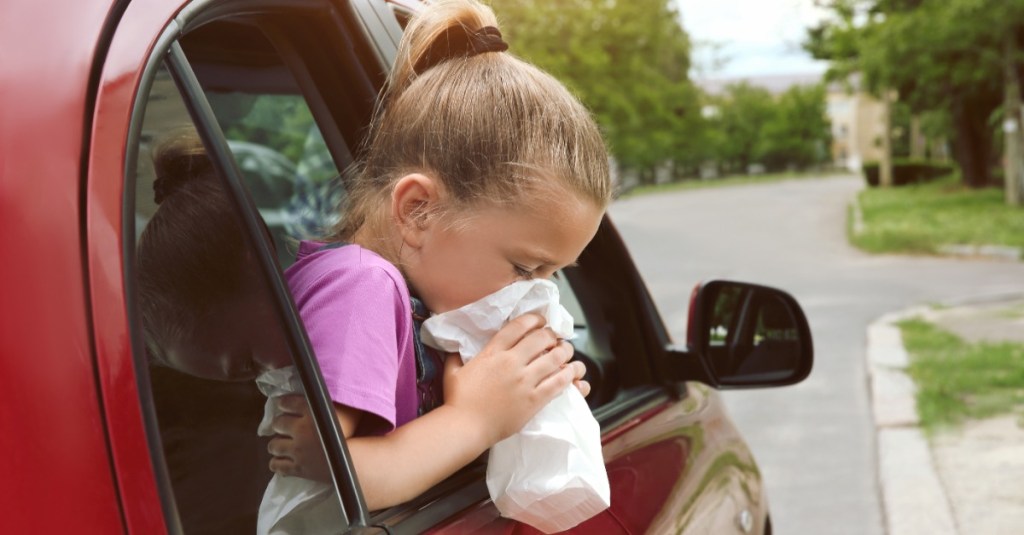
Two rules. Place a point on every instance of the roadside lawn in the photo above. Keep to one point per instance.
(924, 218)
(957, 380)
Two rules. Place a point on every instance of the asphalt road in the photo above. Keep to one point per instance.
(814, 441)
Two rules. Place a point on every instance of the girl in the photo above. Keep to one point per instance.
(480, 170)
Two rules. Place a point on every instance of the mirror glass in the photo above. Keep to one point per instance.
(753, 333)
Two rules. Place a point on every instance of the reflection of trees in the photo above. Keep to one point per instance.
(723, 312)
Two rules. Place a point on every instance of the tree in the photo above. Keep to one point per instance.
(627, 60)
(743, 112)
(935, 54)
(798, 132)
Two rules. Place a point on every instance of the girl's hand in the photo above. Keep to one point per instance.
(296, 446)
(518, 372)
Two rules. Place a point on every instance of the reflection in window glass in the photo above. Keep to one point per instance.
(291, 175)
(723, 314)
(210, 324)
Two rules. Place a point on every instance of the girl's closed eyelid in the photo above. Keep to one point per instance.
(522, 271)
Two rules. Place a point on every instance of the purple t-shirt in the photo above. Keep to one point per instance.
(356, 309)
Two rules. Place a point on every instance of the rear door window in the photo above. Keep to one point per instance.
(236, 157)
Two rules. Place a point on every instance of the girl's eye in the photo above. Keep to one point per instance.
(522, 272)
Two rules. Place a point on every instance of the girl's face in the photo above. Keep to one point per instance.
(488, 249)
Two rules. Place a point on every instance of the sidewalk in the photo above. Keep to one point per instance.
(968, 480)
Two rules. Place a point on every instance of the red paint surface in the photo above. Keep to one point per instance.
(56, 467)
(641, 482)
(132, 44)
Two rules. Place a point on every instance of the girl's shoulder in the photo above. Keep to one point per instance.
(357, 269)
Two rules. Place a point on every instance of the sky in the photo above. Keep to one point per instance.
(756, 37)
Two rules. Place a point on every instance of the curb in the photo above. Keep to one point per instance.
(993, 252)
(914, 499)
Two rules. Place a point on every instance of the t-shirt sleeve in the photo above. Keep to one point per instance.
(351, 318)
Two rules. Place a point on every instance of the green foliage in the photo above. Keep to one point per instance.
(958, 380)
(280, 122)
(798, 133)
(922, 218)
(628, 61)
(936, 55)
(754, 126)
(905, 172)
(743, 112)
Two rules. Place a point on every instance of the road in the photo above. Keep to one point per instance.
(814, 441)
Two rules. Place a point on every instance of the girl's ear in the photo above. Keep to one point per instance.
(413, 202)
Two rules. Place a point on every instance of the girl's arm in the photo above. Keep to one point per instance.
(493, 396)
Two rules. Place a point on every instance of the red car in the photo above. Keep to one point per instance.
(102, 439)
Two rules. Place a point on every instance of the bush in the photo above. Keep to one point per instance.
(907, 172)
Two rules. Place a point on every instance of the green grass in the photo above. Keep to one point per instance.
(957, 380)
(732, 180)
(922, 218)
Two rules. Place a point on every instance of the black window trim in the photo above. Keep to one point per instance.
(140, 361)
(168, 52)
(340, 461)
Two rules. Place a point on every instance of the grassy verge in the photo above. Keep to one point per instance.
(733, 180)
(957, 380)
(922, 218)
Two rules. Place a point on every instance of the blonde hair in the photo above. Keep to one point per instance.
(489, 126)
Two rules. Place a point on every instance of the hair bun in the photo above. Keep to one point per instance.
(177, 161)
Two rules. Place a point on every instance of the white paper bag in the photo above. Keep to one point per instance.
(551, 474)
(292, 505)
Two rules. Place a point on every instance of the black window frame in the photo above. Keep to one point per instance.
(168, 53)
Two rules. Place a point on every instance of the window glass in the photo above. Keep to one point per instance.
(290, 173)
(210, 326)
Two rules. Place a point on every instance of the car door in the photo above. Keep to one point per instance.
(276, 95)
(189, 302)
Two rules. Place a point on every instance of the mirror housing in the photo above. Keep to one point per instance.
(745, 335)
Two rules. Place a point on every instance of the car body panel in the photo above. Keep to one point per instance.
(677, 466)
(52, 414)
(141, 24)
(86, 462)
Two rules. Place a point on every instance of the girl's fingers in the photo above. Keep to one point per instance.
(535, 344)
(553, 359)
(284, 424)
(555, 383)
(513, 332)
(582, 386)
(280, 446)
(292, 404)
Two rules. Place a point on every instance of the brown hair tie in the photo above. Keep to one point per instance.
(458, 42)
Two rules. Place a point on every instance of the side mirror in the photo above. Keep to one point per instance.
(748, 335)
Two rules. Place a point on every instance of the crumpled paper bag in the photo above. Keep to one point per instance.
(292, 505)
(550, 475)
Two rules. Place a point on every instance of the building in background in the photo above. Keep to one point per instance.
(857, 124)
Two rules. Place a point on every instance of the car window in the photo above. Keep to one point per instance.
(210, 322)
(590, 346)
(291, 174)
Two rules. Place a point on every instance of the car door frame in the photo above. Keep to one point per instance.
(144, 37)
